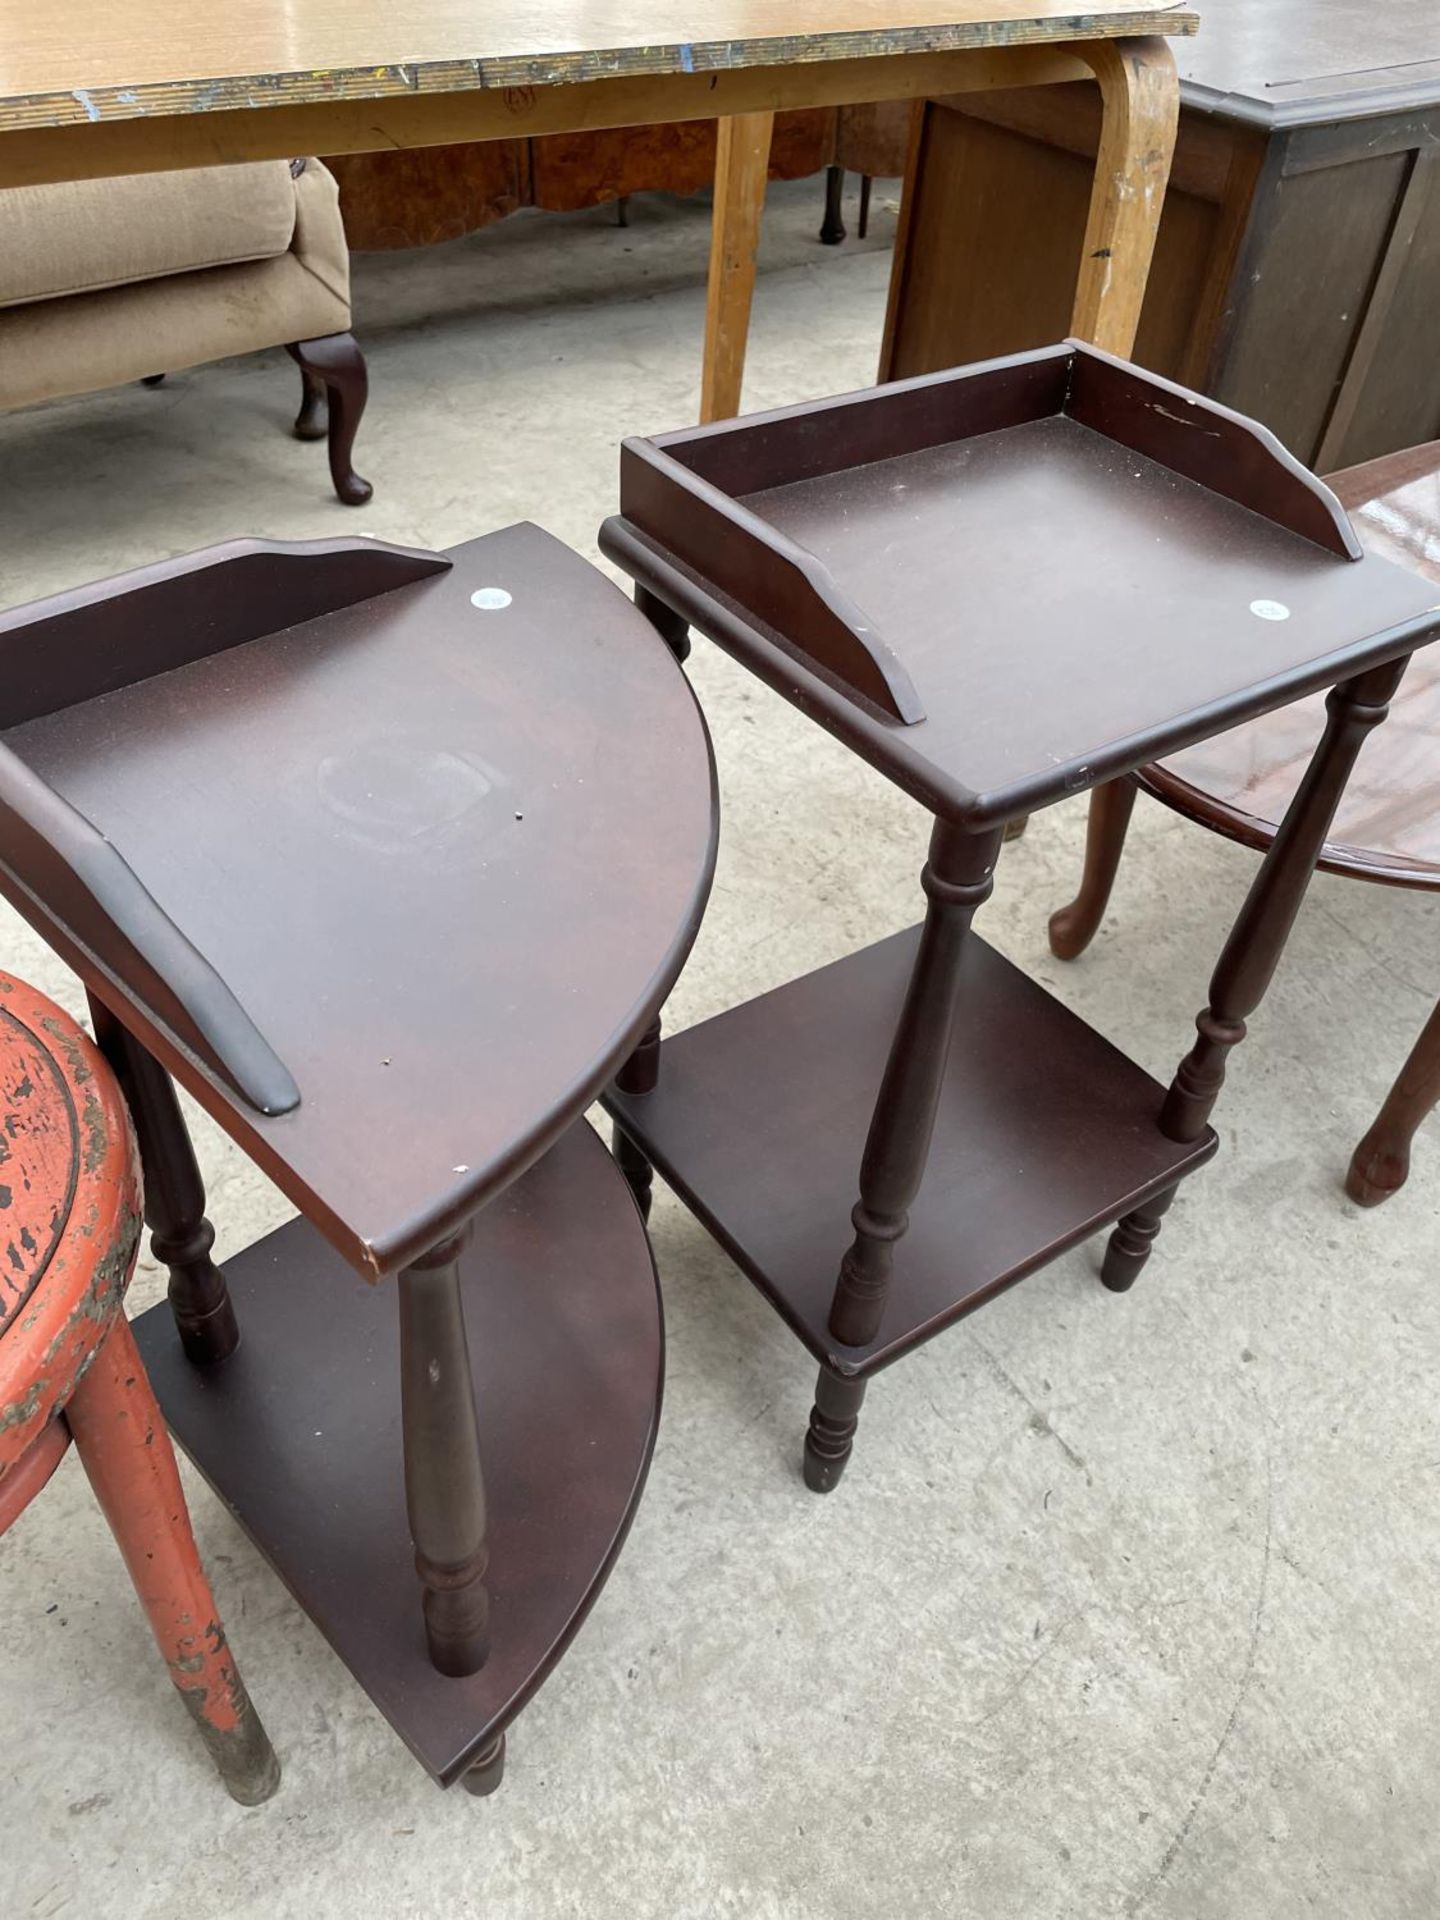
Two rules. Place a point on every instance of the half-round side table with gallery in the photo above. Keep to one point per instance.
(363, 847)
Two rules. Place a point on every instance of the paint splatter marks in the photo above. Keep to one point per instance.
(92, 112)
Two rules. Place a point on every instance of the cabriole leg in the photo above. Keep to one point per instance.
(1072, 928)
(336, 363)
(1381, 1163)
(311, 422)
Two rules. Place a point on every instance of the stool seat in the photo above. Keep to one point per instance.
(69, 1219)
(69, 1369)
(39, 1160)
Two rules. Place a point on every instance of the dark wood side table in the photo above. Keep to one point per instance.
(1000, 586)
(1387, 827)
(344, 837)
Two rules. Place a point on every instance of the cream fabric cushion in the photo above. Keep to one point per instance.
(49, 348)
(83, 235)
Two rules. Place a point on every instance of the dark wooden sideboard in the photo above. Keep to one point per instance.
(422, 195)
(1297, 270)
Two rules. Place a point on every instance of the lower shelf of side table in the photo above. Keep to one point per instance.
(1046, 1133)
(299, 1433)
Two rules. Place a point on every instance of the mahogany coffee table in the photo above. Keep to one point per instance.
(345, 838)
(1387, 826)
(999, 585)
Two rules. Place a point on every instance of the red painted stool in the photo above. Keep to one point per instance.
(69, 1369)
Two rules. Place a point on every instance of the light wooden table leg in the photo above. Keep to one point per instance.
(742, 158)
(1140, 97)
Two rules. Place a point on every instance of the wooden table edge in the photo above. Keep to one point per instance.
(523, 73)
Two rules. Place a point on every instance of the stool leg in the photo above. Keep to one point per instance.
(1381, 1162)
(1072, 928)
(120, 1435)
(1252, 952)
(863, 225)
(639, 1074)
(180, 1235)
(958, 878)
(444, 1489)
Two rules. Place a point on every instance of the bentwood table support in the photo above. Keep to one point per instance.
(995, 585)
(134, 87)
(1297, 270)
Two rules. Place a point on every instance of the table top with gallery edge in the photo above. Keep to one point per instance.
(1009, 582)
(361, 842)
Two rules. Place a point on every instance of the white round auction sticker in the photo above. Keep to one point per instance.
(1269, 610)
(490, 599)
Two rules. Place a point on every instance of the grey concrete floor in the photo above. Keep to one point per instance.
(1127, 1606)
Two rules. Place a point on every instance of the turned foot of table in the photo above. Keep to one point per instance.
(830, 1437)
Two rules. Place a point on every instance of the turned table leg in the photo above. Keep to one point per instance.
(1381, 1162)
(640, 1074)
(1140, 108)
(666, 622)
(180, 1235)
(957, 879)
(444, 1489)
(641, 1071)
(1072, 928)
(742, 159)
(1252, 952)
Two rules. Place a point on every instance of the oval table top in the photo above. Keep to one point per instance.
(448, 848)
(1387, 827)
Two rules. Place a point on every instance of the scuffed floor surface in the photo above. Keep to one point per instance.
(1126, 1607)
